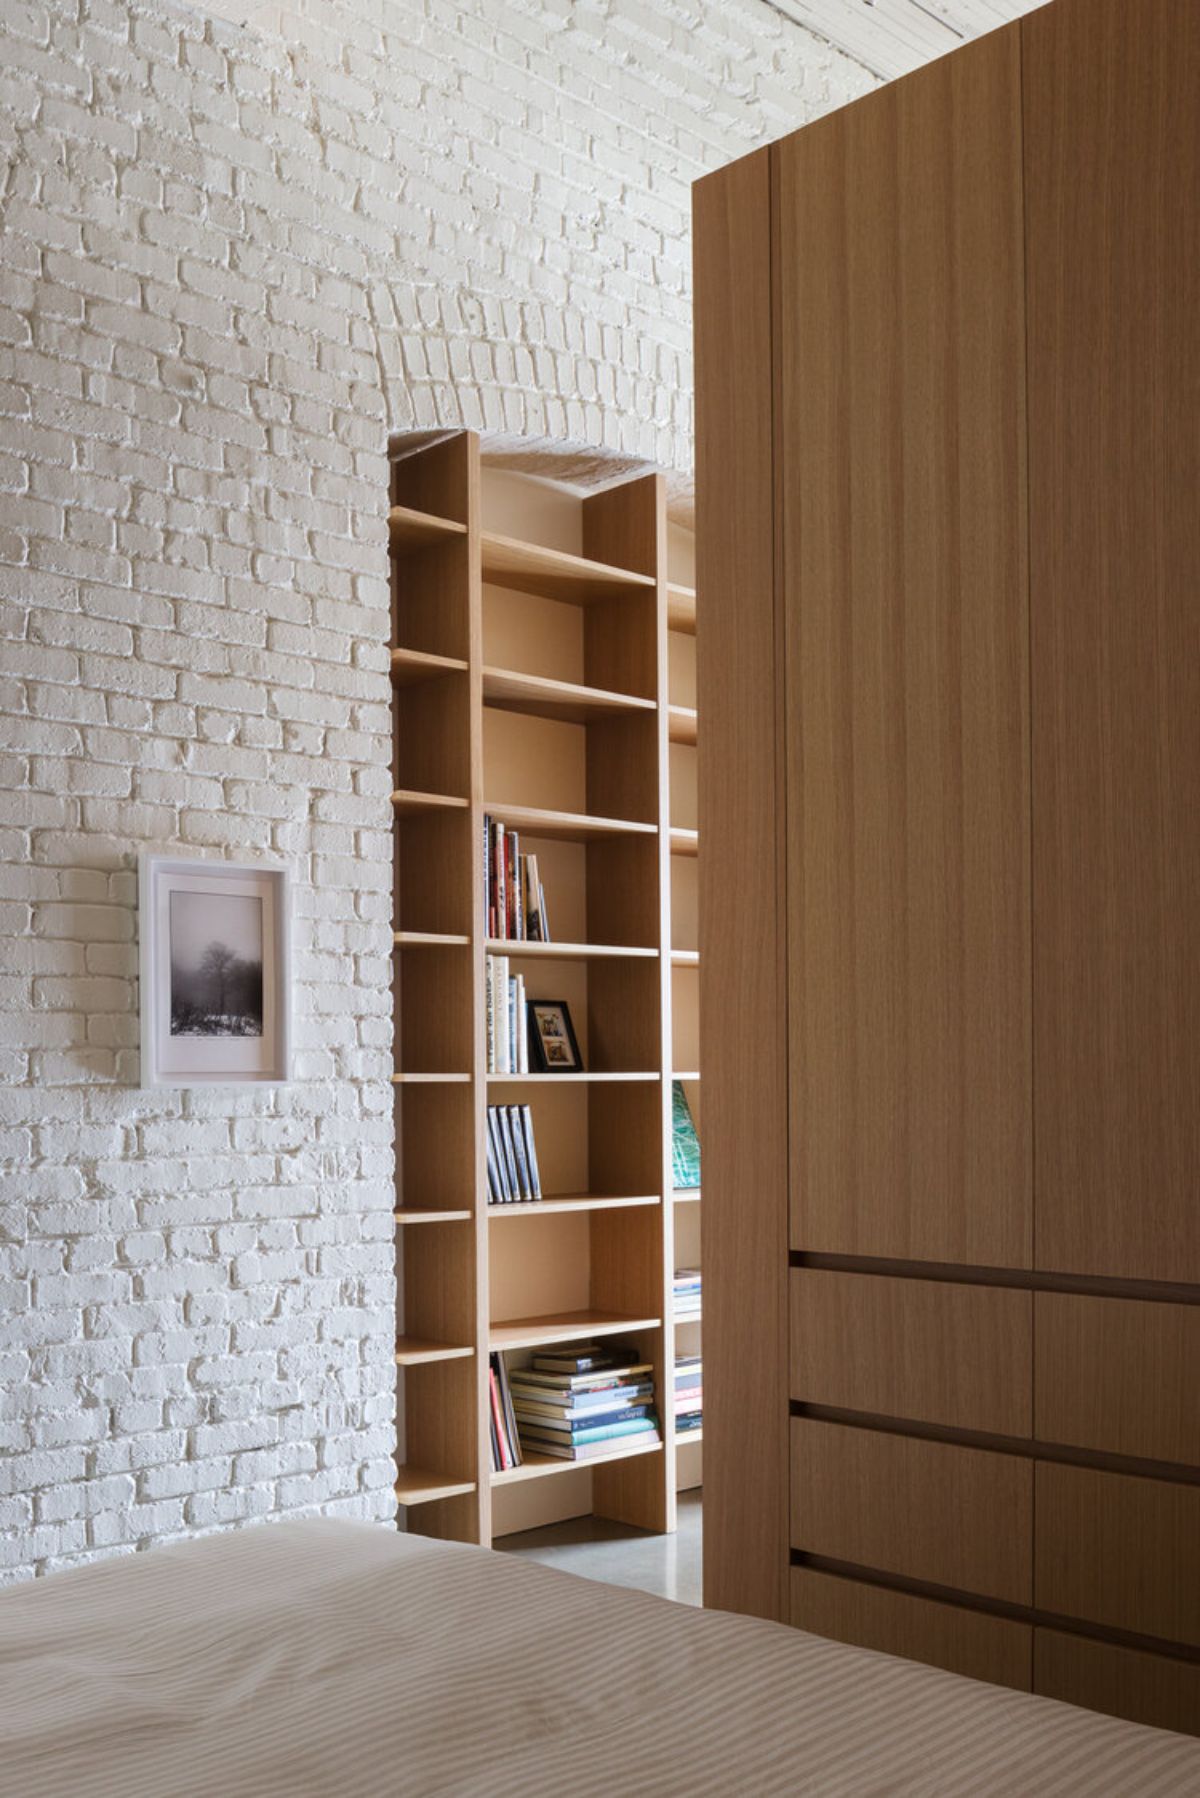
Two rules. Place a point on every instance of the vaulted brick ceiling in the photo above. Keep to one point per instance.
(890, 37)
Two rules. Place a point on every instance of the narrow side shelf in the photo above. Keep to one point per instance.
(412, 666)
(686, 1195)
(685, 958)
(681, 608)
(429, 939)
(412, 1351)
(565, 1326)
(420, 1486)
(431, 1079)
(417, 1214)
(684, 842)
(681, 724)
(553, 574)
(410, 530)
(407, 804)
(569, 1079)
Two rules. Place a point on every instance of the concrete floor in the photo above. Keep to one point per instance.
(597, 1549)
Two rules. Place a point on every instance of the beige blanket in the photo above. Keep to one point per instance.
(345, 1659)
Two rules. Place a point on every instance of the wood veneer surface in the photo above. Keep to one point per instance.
(1146, 1688)
(1119, 1375)
(1112, 183)
(742, 949)
(905, 594)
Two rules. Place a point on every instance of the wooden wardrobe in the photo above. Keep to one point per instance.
(948, 461)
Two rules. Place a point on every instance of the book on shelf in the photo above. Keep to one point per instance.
(685, 1144)
(506, 1441)
(577, 1409)
(686, 1292)
(512, 1167)
(689, 1394)
(513, 895)
(507, 1018)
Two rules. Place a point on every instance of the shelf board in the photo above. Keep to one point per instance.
(534, 1465)
(418, 1486)
(407, 804)
(410, 530)
(681, 608)
(431, 1079)
(520, 950)
(413, 1351)
(569, 1079)
(684, 842)
(693, 1074)
(679, 1322)
(681, 724)
(553, 574)
(411, 666)
(429, 939)
(686, 1195)
(539, 697)
(569, 1201)
(687, 1436)
(565, 1326)
(685, 958)
(571, 827)
(420, 1214)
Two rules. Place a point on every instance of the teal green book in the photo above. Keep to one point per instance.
(685, 1144)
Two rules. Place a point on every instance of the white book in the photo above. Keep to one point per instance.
(503, 1032)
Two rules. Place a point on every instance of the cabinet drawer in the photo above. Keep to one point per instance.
(1146, 1688)
(1118, 1550)
(931, 1350)
(932, 1511)
(1118, 1374)
(919, 1629)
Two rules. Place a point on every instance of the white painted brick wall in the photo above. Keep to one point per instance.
(229, 264)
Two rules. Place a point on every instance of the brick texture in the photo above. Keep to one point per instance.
(230, 262)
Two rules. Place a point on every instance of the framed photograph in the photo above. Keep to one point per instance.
(215, 956)
(552, 1037)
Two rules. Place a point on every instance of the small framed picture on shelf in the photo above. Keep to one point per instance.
(215, 972)
(552, 1037)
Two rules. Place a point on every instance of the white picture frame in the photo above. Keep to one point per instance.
(215, 963)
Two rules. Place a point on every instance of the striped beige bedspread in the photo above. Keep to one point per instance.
(346, 1659)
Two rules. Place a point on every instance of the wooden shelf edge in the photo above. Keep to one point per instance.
(429, 939)
(684, 842)
(416, 1214)
(681, 724)
(524, 567)
(535, 1466)
(596, 1079)
(540, 822)
(507, 689)
(409, 804)
(556, 1202)
(686, 1195)
(685, 958)
(681, 608)
(409, 666)
(522, 948)
(539, 1332)
(422, 1486)
(431, 1079)
(415, 1351)
(409, 529)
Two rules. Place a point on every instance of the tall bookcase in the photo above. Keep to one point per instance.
(532, 683)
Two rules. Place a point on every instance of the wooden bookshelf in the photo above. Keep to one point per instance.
(532, 682)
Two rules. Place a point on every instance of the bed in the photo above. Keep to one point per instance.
(326, 1657)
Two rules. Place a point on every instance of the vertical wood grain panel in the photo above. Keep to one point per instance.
(742, 1022)
(1112, 181)
(1120, 1551)
(932, 1511)
(1119, 1375)
(929, 1350)
(1146, 1688)
(905, 582)
(919, 1629)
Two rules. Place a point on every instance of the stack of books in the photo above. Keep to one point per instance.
(687, 1294)
(512, 1164)
(507, 1019)
(685, 1144)
(585, 1403)
(512, 890)
(689, 1394)
(506, 1442)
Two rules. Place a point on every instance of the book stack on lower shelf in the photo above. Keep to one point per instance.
(506, 1441)
(512, 1163)
(582, 1404)
(514, 896)
(687, 1295)
(689, 1395)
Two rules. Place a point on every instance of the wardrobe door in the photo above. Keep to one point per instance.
(901, 362)
(1112, 186)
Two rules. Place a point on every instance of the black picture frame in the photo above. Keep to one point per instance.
(552, 1039)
